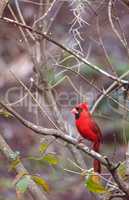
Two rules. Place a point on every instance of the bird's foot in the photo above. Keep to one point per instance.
(80, 140)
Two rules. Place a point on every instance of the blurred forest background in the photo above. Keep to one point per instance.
(95, 30)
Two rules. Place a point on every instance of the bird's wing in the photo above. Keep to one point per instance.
(95, 128)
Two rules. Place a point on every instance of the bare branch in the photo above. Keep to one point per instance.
(3, 4)
(33, 188)
(23, 20)
(107, 91)
(104, 49)
(102, 92)
(60, 135)
(35, 100)
(122, 196)
(121, 36)
(83, 60)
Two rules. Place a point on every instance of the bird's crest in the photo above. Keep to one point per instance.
(83, 105)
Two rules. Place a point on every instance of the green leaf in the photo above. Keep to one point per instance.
(51, 159)
(22, 184)
(43, 147)
(58, 79)
(120, 66)
(5, 113)
(40, 181)
(15, 155)
(93, 184)
(122, 170)
(6, 183)
(50, 75)
(85, 70)
(13, 165)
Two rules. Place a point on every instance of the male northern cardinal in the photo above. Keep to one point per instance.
(88, 129)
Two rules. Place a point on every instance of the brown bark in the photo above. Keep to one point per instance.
(3, 4)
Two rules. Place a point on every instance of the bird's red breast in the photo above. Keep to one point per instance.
(88, 129)
(85, 124)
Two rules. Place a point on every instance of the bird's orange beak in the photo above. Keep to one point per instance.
(74, 111)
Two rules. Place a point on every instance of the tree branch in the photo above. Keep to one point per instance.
(3, 4)
(83, 60)
(33, 188)
(113, 86)
(60, 135)
(122, 196)
(102, 92)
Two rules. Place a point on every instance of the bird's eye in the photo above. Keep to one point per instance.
(77, 108)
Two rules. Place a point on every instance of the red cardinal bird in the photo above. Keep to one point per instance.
(88, 129)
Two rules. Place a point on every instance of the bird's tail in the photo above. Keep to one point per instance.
(96, 163)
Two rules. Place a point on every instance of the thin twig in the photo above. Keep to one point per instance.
(122, 40)
(34, 99)
(122, 196)
(23, 20)
(65, 137)
(102, 92)
(83, 60)
(109, 89)
(20, 28)
(104, 49)
(3, 4)
(33, 188)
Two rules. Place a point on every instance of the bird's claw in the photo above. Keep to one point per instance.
(80, 140)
